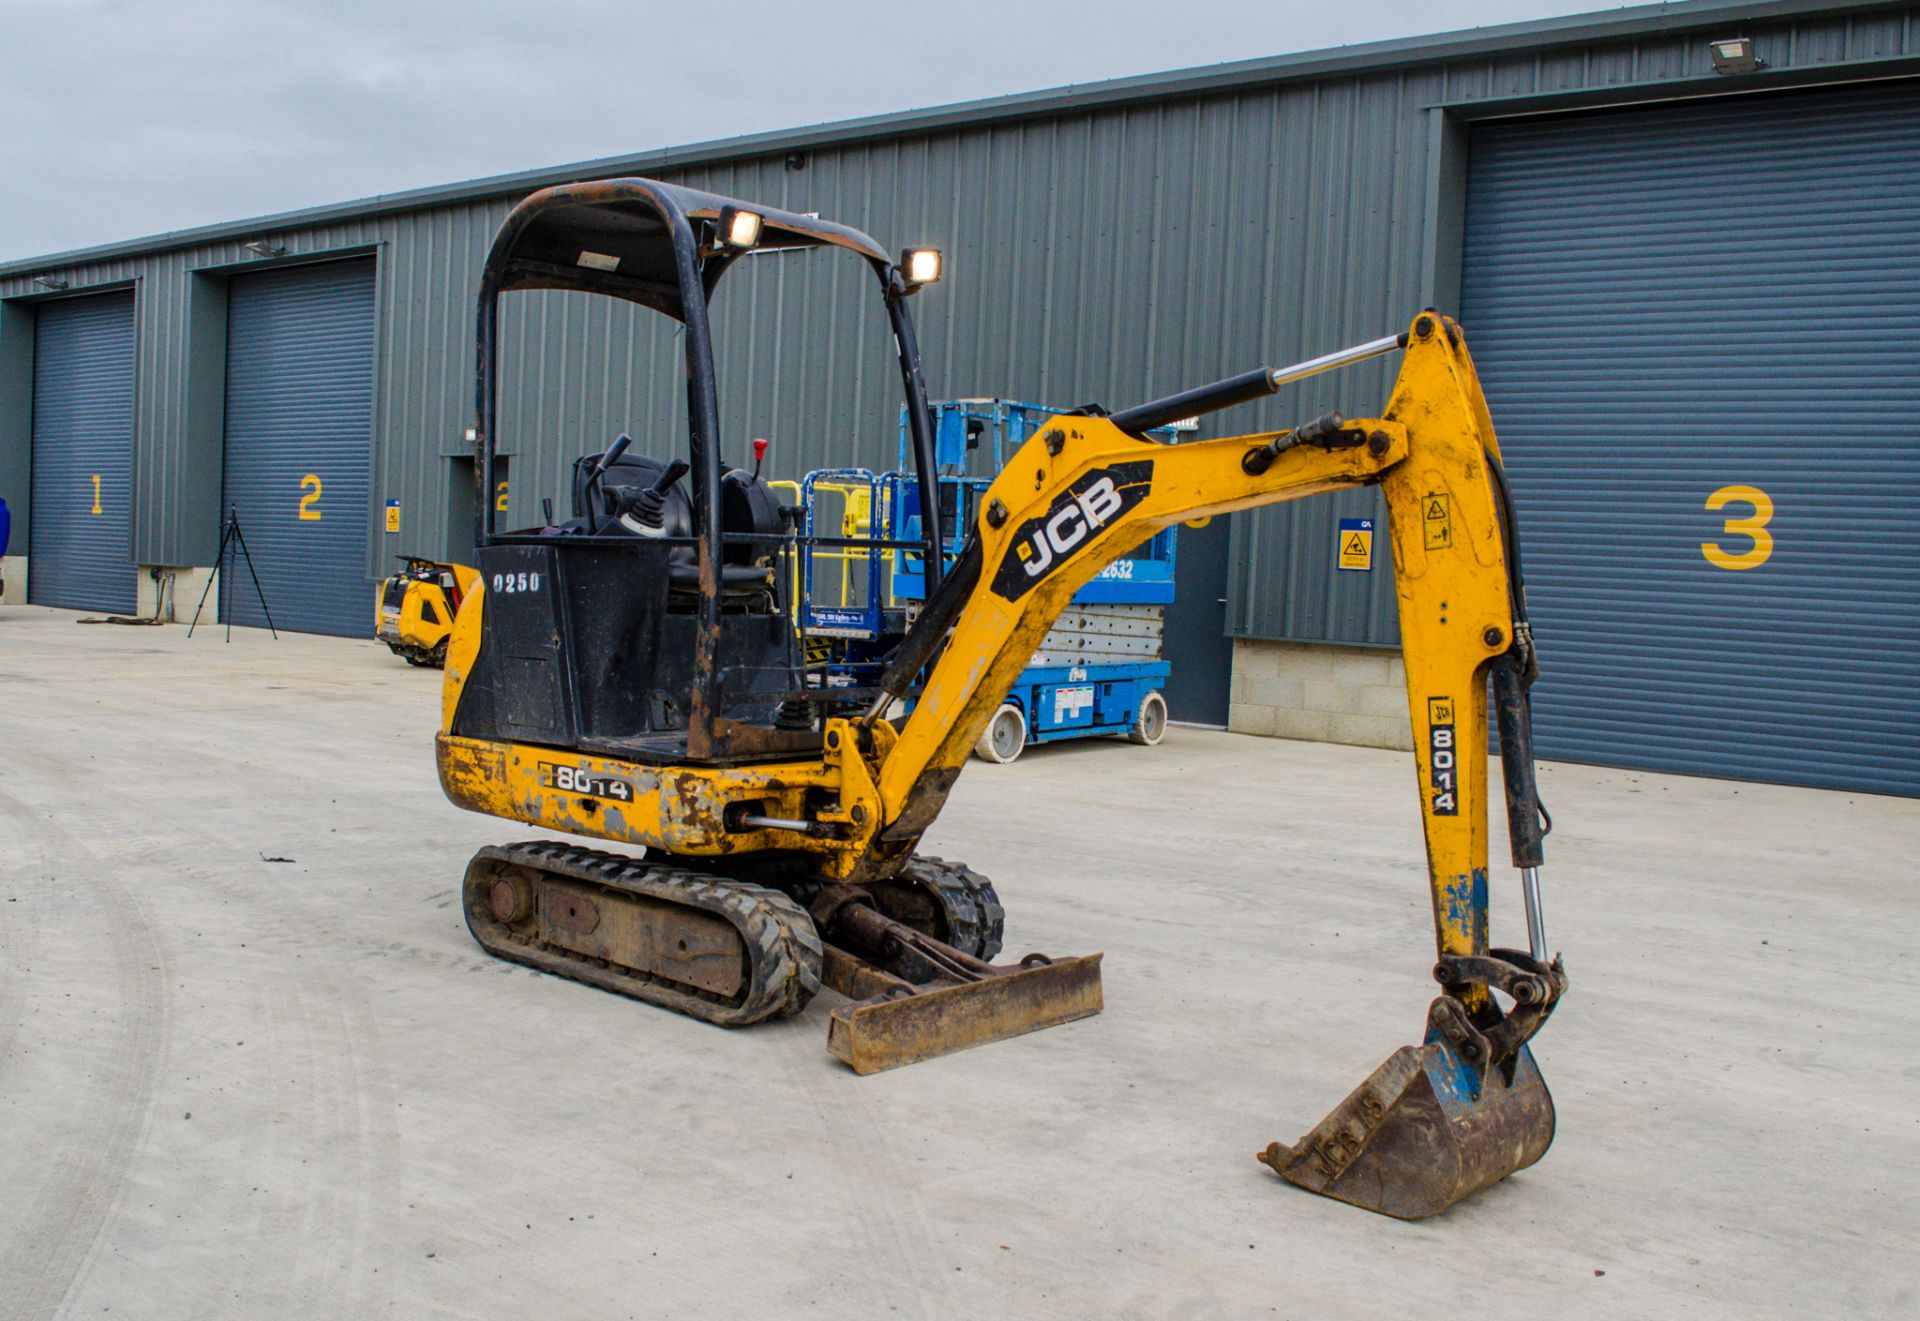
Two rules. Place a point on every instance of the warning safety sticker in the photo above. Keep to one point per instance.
(1437, 518)
(1355, 547)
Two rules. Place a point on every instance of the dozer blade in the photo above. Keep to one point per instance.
(1423, 1132)
(906, 1024)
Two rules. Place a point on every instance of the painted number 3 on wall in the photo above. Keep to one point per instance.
(310, 502)
(1753, 527)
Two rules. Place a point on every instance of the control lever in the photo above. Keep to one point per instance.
(647, 513)
(599, 470)
(611, 457)
(759, 453)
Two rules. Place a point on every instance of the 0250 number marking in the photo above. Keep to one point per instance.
(506, 583)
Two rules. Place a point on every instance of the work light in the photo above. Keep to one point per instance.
(739, 228)
(920, 266)
(1734, 55)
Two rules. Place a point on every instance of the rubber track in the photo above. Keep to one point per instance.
(782, 945)
(976, 920)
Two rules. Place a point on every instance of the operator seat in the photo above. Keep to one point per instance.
(746, 506)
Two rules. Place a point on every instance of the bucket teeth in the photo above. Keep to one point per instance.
(1422, 1132)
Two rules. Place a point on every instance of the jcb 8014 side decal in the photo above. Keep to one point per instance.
(1443, 763)
(1041, 545)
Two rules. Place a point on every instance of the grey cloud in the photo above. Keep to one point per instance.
(125, 119)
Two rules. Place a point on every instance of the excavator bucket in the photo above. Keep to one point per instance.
(1425, 1130)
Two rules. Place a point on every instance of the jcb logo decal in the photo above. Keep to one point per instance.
(1043, 544)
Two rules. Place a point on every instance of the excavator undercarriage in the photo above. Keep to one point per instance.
(632, 675)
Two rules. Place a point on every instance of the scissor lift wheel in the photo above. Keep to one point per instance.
(1004, 737)
(1149, 722)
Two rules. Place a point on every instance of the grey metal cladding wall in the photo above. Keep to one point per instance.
(83, 455)
(299, 427)
(1095, 258)
(1669, 303)
(176, 508)
(1353, 242)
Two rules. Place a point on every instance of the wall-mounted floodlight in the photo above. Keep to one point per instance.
(1733, 55)
(52, 282)
(920, 266)
(738, 228)
(265, 248)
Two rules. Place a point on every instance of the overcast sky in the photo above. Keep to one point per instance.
(130, 117)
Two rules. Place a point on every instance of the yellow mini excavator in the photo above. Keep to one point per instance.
(633, 674)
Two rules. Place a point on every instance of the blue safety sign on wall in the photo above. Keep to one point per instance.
(1356, 545)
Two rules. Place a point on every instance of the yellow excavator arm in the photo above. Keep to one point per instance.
(1083, 493)
(1438, 1121)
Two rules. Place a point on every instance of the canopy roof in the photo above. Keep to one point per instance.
(617, 237)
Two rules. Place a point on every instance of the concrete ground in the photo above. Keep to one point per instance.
(251, 1064)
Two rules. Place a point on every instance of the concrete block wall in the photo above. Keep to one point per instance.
(1322, 693)
(176, 600)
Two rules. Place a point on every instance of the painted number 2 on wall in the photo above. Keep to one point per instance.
(1752, 526)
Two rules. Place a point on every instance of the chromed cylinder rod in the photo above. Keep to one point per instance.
(1536, 920)
(1244, 388)
(777, 823)
(1326, 362)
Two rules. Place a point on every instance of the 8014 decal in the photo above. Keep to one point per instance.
(1443, 758)
(574, 780)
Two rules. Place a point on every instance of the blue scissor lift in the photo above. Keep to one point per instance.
(1100, 671)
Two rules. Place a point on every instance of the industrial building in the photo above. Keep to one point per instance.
(1684, 240)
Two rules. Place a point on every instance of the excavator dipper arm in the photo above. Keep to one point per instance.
(1467, 1107)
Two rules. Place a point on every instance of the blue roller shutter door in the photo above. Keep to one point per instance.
(1713, 304)
(299, 444)
(80, 551)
